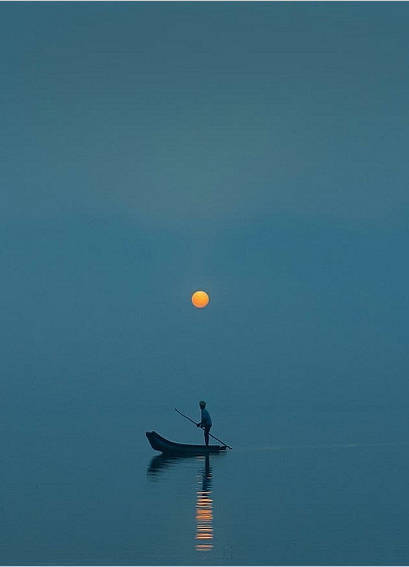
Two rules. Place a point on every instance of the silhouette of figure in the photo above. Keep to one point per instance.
(205, 422)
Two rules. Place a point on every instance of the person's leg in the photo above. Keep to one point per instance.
(206, 435)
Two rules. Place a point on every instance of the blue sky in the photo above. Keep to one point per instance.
(255, 150)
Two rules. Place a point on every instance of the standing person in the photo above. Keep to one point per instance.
(205, 422)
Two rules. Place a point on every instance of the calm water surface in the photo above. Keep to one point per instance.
(327, 487)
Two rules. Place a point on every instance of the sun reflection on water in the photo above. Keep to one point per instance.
(204, 534)
(204, 511)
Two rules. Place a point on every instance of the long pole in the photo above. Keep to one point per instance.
(210, 435)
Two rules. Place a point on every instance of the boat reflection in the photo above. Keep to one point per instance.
(204, 501)
(161, 462)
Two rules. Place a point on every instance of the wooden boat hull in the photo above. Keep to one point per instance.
(169, 447)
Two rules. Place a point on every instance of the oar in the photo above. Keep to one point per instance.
(210, 435)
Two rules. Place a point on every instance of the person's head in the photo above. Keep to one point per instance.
(202, 404)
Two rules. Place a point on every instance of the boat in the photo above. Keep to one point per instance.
(159, 443)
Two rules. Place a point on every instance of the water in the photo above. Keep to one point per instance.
(319, 488)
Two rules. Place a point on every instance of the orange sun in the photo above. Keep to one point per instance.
(200, 299)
